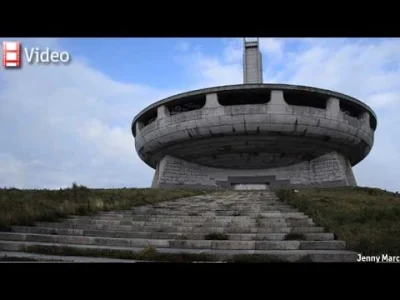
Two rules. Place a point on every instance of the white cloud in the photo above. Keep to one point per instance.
(271, 46)
(385, 99)
(65, 124)
(73, 119)
(100, 135)
(233, 51)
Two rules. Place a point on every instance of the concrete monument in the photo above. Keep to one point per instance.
(254, 135)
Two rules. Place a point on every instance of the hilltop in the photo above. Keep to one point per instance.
(367, 219)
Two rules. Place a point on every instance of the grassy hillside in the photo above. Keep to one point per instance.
(22, 207)
(367, 219)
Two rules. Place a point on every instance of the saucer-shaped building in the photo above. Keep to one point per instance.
(254, 135)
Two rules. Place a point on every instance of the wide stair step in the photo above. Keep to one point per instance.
(318, 236)
(22, 256)
(189, 217)
(193, 223)
(227, 226)
(216, 254)
(169, 243)
(276, 228)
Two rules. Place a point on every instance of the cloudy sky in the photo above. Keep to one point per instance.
(71, 123)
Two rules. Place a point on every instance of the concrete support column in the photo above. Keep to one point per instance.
(212, 100)
(277, 103)
(162, 112)
(365, 118)
(154, 183)
(139, 126)
(333, 108)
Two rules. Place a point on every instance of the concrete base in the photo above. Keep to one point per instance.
(329, 170)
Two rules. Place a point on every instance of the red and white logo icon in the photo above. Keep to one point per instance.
(11, 54)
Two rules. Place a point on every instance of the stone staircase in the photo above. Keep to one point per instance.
(224, 226)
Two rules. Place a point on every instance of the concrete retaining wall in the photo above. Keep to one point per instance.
(329, 170)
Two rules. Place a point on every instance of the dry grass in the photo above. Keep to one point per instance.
(23, 207)
(367, 219)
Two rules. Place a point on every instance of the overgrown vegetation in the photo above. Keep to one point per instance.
(367, 219)
(23, 207)
(216, 236)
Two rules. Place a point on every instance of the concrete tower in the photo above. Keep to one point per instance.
(252, 61)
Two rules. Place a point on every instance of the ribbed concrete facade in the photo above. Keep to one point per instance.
(331, 169)
(272, 134)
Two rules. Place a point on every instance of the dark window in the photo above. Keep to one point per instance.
(186, 104)
(303, 98)
(350, 109)
(149, 117)
(372, 122)
(243, 97)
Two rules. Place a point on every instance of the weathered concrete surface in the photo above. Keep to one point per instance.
(273, 140)
(254, 136)
(252, 61)
(253, 222)
(18, 256)
(331, 170)
(267, 86)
